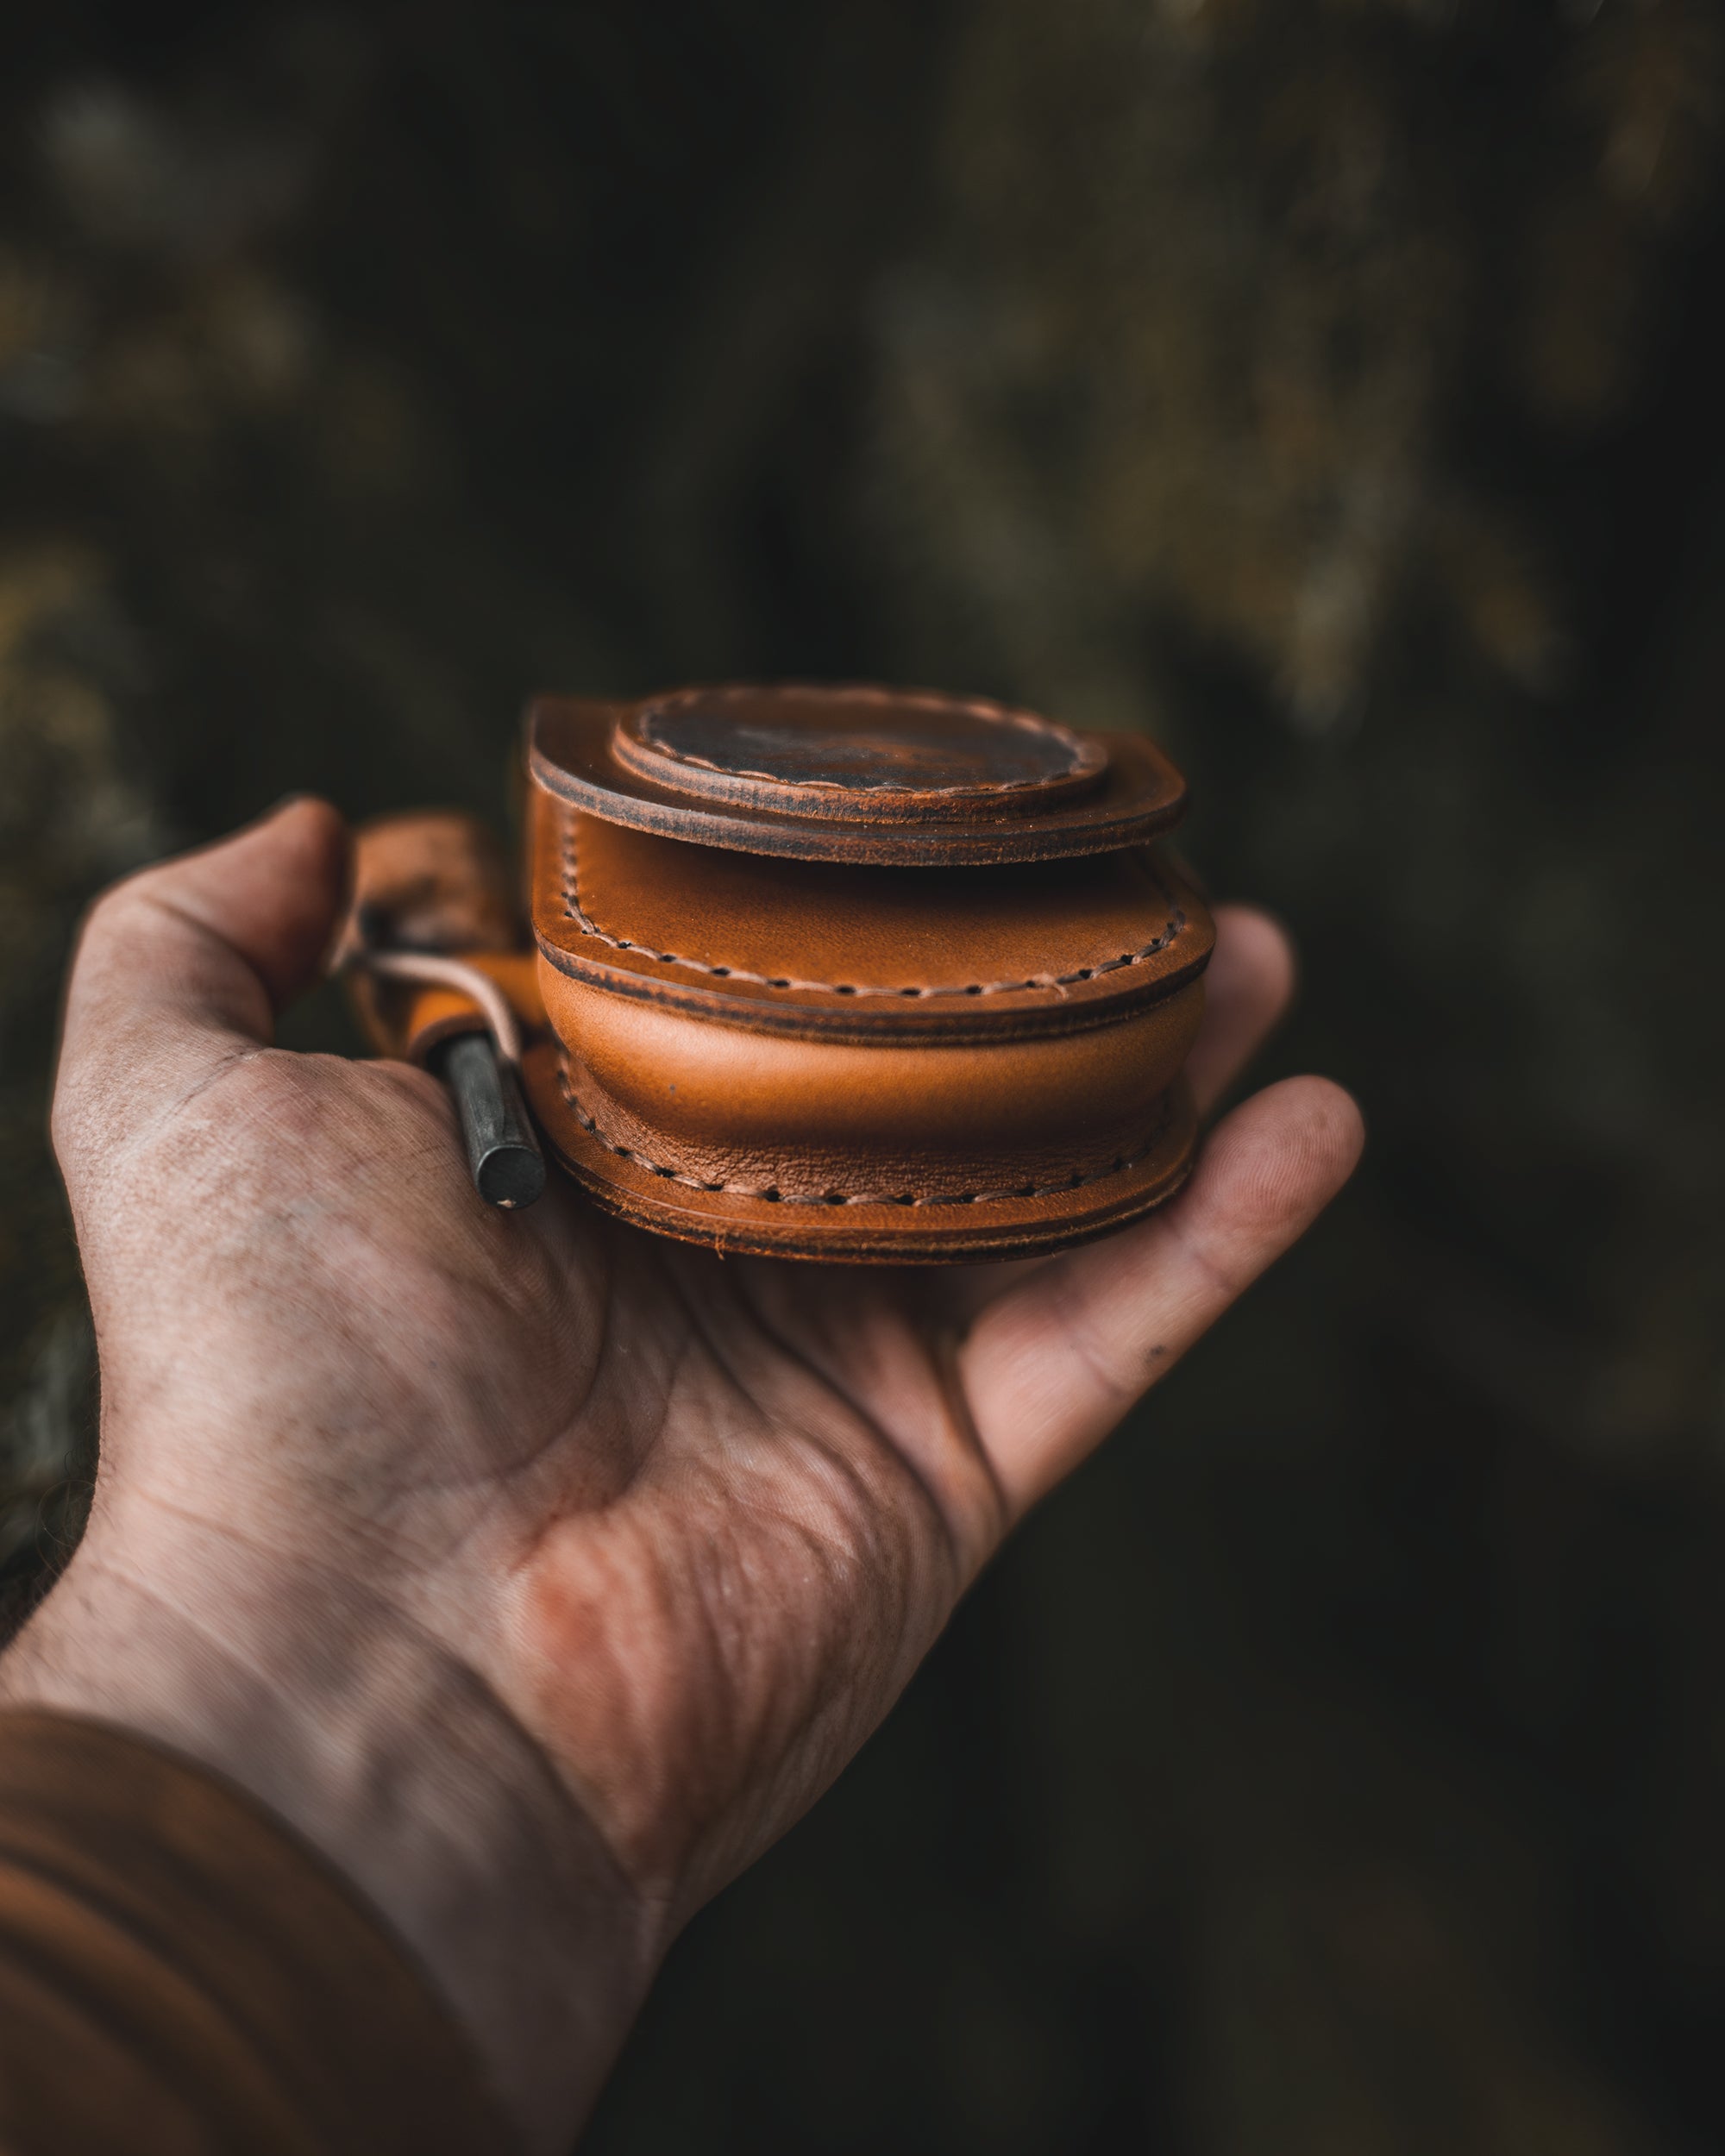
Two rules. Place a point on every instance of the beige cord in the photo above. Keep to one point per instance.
(451, 973)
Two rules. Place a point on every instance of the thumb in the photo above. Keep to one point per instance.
(185, 966)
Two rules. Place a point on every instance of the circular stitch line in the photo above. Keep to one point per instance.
(773, 1195)
(1084, 757)
(578, 913)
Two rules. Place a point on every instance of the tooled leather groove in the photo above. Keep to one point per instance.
(577, 912)
(773, 1195)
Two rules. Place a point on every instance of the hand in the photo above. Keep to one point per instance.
(539, 1571)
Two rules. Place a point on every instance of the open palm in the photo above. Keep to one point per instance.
(692, 1521)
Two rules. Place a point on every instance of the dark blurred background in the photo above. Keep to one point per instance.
(1333, 386)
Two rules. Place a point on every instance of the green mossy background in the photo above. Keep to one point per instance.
(1333, 386)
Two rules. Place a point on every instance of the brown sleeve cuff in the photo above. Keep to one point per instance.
(178, 1972)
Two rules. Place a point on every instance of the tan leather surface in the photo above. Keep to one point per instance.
(869, 952)
(825, 1056)
(733, 1106)
(430, 879)
(987, 1222)
(433, 1015)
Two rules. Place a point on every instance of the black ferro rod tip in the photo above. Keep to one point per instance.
(508, 1169)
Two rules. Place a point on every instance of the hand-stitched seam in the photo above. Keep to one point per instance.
(578, 913)
(1083, 757)
(773, 1195)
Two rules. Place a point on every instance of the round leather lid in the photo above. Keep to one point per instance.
(853, 773)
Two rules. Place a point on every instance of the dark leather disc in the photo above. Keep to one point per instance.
(849, 755)
(854, 773)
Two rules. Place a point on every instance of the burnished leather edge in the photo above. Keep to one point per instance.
(568, 757)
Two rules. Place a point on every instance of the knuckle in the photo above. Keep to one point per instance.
(115, 906)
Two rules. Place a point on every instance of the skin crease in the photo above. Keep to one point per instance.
(541, 1572)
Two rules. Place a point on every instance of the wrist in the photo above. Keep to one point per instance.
(387, 1754)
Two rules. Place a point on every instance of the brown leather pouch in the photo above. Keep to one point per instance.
(844, 974)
